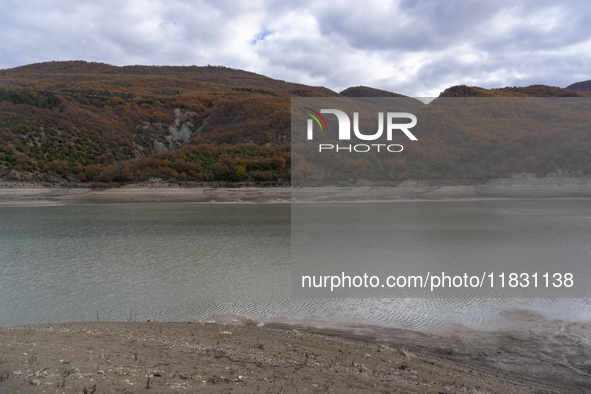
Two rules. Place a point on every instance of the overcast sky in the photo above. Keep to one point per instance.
(416, 48)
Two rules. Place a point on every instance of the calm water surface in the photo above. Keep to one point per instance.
(190, 262)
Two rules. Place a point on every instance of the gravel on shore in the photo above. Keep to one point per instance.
(243, 356)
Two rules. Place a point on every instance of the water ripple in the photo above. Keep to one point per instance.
(176, 263)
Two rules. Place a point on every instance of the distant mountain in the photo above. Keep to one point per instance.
(584, 86)
(77, 121)
(528, 91)
(364, 91)
(409, 103)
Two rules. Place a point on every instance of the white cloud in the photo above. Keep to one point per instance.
(411, 47)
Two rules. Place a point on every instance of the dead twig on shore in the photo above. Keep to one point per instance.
(36, 373)
(261, 364)
(129, 366)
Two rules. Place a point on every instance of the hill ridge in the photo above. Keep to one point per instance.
(78, 121)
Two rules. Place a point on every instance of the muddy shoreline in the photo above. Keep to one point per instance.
(521, 186)
(233, 354)
(245, 356)
(139, 195)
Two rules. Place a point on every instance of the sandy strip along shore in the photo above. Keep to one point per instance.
(137, 195)
(519, 186)
(240, 356)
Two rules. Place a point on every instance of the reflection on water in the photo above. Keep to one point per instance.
(189, 262)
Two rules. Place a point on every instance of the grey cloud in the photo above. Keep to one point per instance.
(449, 30)
(433, 25)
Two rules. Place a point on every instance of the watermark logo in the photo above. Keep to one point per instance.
(344, 132)
(315, 116)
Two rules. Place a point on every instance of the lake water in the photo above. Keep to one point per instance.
(191, 262)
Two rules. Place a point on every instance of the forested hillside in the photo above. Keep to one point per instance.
(460, 140)
(84, 122)
(584, 86)
(91, 122)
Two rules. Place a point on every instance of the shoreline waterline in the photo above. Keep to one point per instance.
(571, 188)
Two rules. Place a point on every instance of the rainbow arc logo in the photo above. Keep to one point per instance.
(315, 116)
